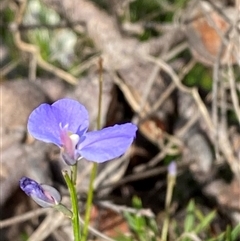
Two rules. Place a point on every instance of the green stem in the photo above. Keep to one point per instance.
(74, 173)
(95, 165)
(75, 216)
(89, 201)
(100, 80)
(170, 187)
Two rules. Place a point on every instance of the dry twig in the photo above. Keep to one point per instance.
(224, 142)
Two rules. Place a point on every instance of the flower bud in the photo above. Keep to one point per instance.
(172, 169)
(43, 195)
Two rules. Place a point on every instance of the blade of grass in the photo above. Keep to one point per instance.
(235, 233)
(205, 222)
(190, 218)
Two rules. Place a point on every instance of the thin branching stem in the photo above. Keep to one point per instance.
(95, 165)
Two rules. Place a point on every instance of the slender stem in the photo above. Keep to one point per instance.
(170, 187)
(89, 201)
(75, 217)
(74, 173)
(95, 165)
(100, 80)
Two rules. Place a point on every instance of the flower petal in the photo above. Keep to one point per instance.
(46, 121)
(108, 143)
(72, 113)
(43, 125)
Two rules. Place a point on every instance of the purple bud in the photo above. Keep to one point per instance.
(172, 169)
(44, 195)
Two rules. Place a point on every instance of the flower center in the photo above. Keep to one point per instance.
(69, 142)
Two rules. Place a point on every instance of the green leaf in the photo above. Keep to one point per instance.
(131, 220)
(228, 234)
(123, 237)
(235, 233)
(190, 218)
(199, 215)
(205, 222)
(136, 202)
(199, 76)
(221, 237)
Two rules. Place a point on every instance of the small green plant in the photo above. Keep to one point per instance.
(197, 226)
(196, 222)
(143, 228)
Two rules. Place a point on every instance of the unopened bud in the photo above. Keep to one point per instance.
(43, 195)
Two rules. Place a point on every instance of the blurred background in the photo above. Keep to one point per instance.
(171, 67)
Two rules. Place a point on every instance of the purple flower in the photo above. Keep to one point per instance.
(44, 195)
(65, 123)
(172, 169)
